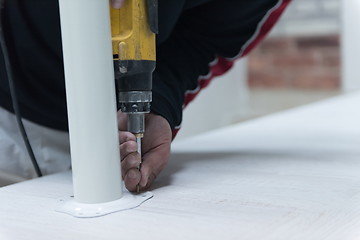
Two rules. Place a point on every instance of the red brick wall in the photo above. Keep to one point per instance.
(296, 62)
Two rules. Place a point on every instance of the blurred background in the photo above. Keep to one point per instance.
(310, 55)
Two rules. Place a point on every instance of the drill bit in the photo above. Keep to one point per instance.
(138, 142)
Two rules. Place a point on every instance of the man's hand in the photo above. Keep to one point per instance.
(155, 151)
(117, 3)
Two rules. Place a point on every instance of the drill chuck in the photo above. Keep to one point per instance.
(135, 104)
(136, 124)
(135, 101)
(134, 85)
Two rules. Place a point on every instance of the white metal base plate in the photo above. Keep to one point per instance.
(84, 210)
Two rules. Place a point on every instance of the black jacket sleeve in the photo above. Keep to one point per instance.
(202, 35)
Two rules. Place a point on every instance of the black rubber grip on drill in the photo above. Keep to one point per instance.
(133, 75)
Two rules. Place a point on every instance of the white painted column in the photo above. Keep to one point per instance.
(91, 100)
(350, 45)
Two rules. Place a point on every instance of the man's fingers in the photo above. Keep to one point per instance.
(132, 160)
(155, 148)
(153, 163)
(126, 136)
(127, 148)
(122, 121)
(148, 175)
(150, 179)
(132, 179)
(117, 3)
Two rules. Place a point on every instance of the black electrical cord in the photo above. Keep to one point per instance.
(14, 96)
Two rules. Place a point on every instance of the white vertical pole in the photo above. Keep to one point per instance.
(350, 44)
(90, 90)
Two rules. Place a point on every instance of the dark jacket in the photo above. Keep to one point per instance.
(198, 40)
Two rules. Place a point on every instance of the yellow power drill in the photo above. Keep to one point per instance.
(134, 27)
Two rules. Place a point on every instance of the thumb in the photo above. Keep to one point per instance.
(153, 163)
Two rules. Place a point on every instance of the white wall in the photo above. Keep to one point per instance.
(220, 104)
(350, 45)
(324, 17)
(309, 17)
(213, 107)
